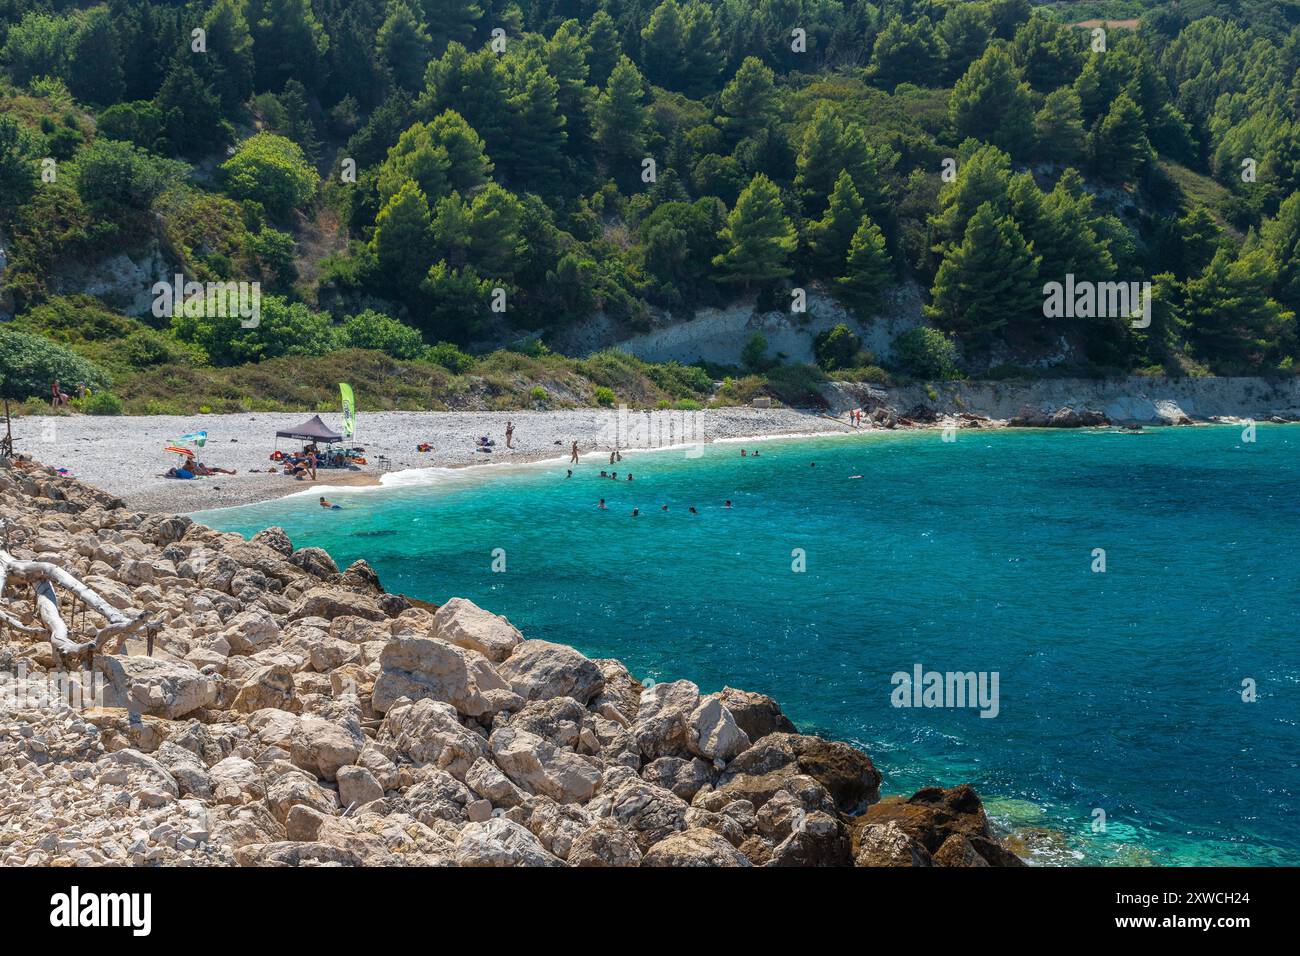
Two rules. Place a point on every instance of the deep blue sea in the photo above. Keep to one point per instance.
(1120, 692)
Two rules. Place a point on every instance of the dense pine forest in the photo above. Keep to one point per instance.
(429, 191)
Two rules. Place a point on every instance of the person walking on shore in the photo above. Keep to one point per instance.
(573, 456)
(510, 434)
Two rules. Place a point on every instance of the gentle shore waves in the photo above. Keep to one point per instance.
(1119, 691)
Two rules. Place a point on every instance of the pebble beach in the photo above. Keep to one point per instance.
(125, 456)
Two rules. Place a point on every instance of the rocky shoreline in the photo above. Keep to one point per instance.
(277, 711)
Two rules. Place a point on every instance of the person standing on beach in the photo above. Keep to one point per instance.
(573, 454)
(510, 434)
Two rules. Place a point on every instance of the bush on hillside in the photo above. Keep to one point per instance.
(29, 365)
(926, 353)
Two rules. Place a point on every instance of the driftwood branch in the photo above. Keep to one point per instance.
(43, 578)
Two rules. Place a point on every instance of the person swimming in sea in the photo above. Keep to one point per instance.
(603, 473)
(692, 510)
(328, 504)
(755, 452)
(727, 503)
(635, 512)
(629, 476)
(570, 474)
(614, 476)
(664, 508)
(742, 453)
(601, 506)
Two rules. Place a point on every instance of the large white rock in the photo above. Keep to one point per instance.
(465, 624)
(161, 688)
(427, 667)
(712, 732)
(429, 732)
(251, 631)
(499, 842)
(698, 847)
(663, 719)
(540, 670)
(322, 746)
(539, 766)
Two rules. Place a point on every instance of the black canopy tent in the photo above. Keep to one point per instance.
(312, 430)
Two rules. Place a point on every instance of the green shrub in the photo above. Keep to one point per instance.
(29, 364)
(752, 356)
(375, 330)
(797, 384)
(538, 394)
(839, 348)
(272, 170)
(449, 357)
(285, 328)
(926, 353)
(604, 395)
(99, 403)
(113, 171)
(872, 374)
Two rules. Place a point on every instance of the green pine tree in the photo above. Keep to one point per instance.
(992, 102)
(1058, 128)
(621, 118)
(401, 239)
(867, 271)
(403, 47)
(1120, 148)
(758, 236)
(991, 278)
(830, 236)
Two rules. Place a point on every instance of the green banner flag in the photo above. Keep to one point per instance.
(349, 410)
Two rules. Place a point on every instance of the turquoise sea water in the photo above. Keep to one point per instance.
(1119, 691)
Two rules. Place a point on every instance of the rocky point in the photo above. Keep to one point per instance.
(281, 711)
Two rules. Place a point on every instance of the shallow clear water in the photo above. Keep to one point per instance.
(1119, 690)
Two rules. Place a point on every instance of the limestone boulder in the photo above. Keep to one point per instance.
(270, 685)
(538, 766)
(712, 732)
(663, 719)
(161, 688)
(756, 714)
(605, 844)
(540, 670)
(501, 842)
(933, 815)
(293, 787)
(251, 631)
(467, 625)
(427, 667)
(429, 732)
(331, 602)
(683, 777)
(650, 813)
(887, 844)
(322, 747)
(698, 847)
